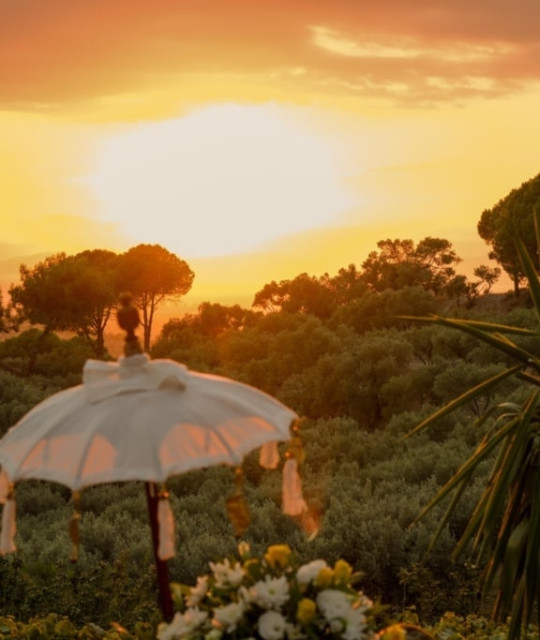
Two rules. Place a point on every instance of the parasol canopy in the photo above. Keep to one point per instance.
(140, 419)
(143, 419)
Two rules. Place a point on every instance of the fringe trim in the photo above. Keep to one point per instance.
(9, 525)
(269, 455)
(293, 500)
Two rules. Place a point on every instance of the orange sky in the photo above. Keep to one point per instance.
(261, 139)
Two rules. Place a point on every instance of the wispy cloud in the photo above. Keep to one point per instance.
(404, 48)
(63, 52)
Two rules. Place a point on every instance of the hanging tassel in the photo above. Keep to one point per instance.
(296, 449)
(237, 508)
(9, 524)
(4, 486)
(74, 526)
(293, 501)
(165, 518)
(269, 455)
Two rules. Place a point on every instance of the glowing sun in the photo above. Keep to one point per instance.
(221, 180)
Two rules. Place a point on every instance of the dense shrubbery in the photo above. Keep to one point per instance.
(362, 379)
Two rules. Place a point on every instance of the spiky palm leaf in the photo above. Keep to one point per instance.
(504, 527)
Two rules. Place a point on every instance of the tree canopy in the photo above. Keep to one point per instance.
(305, 293)
(74, 293)
(511, 216)
(152, 274)
(79, 292)
(400, 263)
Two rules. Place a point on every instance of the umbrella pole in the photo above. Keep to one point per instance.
(165, 597)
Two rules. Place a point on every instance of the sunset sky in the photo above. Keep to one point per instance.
(258, 139)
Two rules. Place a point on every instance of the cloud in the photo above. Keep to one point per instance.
(368, 46)
(62, 52)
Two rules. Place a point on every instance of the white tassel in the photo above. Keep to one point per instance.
(269, 455)
(293, 501)
(9, 528)
(166, 529)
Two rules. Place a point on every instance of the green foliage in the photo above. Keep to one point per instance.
(512, 215)
(399, 263)
(78, 293)
(304, 294)
(504, 527)
(181, 341)
(339, 355)
(74, 293)
(42, 353)
(153, 274)
(375, 310)
(55, 627)
(33, 365)
(474, 627)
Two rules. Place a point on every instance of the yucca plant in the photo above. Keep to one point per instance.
(504, 527)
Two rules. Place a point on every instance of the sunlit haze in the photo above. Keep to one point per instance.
(221, 180)
(261, 140)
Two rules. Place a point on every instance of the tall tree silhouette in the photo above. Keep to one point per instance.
(513, 215)
(152, 275)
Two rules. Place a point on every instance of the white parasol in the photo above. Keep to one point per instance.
(141, 419)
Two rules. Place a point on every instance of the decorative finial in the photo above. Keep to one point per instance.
(127, 316)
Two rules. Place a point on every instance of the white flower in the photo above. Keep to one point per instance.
(363, 602)
(337, 625)
(197, 593)
(213, 634)
(177, 628)
(293, 631)
(194, 617)
(227, 576)
(334, 604)
(271, 625)
(355, 623)
(229, 615)
(246, 595)
(308, 572)
(271, 593)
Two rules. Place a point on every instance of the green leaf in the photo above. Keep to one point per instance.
(530, 271)
(464, 398)
(490, 327)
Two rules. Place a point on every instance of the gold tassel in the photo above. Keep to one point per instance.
(74, 526)
(165, 517)
(237, 508)
(9, 523)
(293, 501)
(295, 448)
(269, 455)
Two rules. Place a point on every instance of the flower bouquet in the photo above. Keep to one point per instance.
(271, 598)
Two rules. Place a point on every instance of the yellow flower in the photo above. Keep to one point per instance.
(306, 610)
(342, 572)
(394, 632)
(324, 578)
(278, 555)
